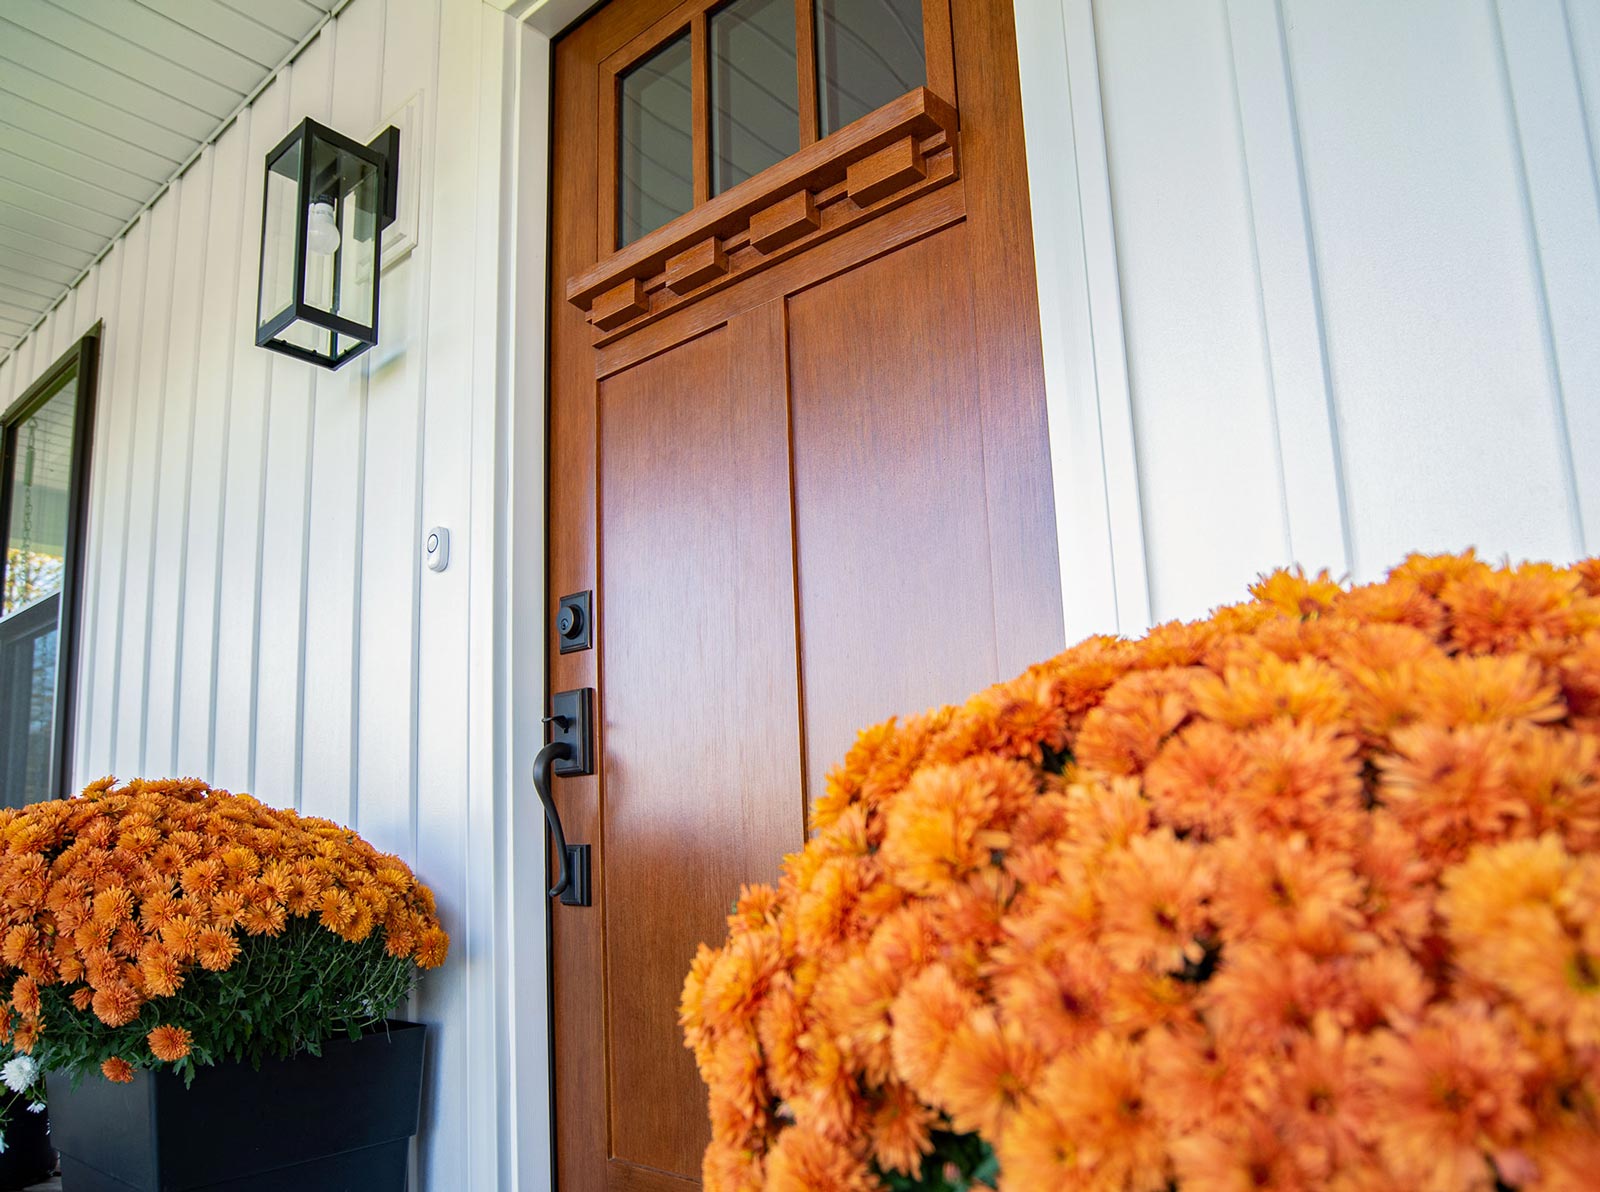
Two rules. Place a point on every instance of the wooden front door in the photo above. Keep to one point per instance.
(798, 453)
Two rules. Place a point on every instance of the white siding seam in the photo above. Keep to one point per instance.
(1583, 100)
(188, 474)
(381, 40)
(89, 619)
(1330, 394)
(1308, 463)
(255, 597)
(137, 340)
(1547, 340)
(1129, 544)
(222, 496)
(353, 792)
(305, 591)
(424, 285)
(175, 198)
(1252, 222)
(297, 782)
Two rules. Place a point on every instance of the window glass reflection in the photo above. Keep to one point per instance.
(36, 535)
(755, 111)
(868, 53)
(655, 157)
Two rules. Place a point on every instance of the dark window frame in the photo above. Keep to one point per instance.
(693, 17)
(84, 357)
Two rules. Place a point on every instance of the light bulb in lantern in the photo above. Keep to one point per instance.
(322, 234)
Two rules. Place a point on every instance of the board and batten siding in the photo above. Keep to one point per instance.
(1320, 283)
(256, 611)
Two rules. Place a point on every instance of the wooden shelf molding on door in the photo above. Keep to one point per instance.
(901, 151)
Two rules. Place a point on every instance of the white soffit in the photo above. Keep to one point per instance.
(102, 104)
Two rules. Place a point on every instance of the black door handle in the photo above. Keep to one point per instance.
(551, 753)
(570, 752)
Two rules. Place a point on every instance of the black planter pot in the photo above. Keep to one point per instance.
(338, 1123)
(28, 1158)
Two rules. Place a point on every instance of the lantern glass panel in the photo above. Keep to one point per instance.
(341, 264)
(279, 231)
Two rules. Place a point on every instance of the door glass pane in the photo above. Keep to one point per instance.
(868, 52)
(655, 175)
(28, 697)
(755, 110)
(36, 534)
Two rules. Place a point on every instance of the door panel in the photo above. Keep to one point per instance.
(701, 713)
(891, 516)
(808, 481)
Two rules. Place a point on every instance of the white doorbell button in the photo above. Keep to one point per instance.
(436, 547)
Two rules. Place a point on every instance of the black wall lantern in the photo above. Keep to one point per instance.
(327, 200)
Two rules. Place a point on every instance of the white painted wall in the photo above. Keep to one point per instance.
(1320, 281)
(256, 612)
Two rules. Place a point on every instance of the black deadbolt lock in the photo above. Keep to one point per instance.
(573, 622)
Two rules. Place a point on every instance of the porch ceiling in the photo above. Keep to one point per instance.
(102, 104)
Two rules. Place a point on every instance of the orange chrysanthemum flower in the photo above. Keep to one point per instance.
(116, 1004)
(432, 948)
(215, 949)
(1451, 1095)
(988, 1069)
(117, 1070)
(947, 823)
(169, 1044)
(806, 1161)
(927, 1013)
(25, 1037)
(1090, 1125)
(161, 969)
(902, 1129)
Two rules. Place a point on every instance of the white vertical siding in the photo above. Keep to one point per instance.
(256, 612)
(1353, 251)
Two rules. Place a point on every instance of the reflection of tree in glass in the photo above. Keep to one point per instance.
(29, 575)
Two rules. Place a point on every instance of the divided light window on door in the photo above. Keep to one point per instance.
(718, 93)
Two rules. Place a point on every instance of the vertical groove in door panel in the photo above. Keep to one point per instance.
(700, 719)
(889, 498)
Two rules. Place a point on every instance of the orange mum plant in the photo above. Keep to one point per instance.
(1305, 895)
(165, 923)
